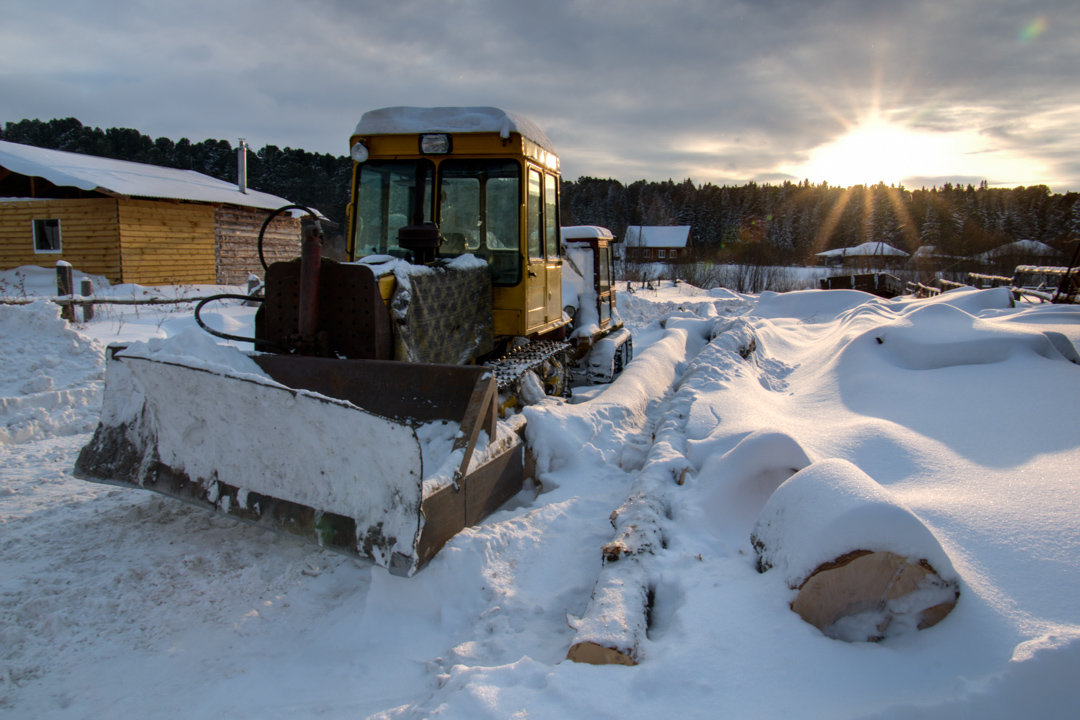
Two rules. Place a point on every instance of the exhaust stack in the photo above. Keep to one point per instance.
(241, 165)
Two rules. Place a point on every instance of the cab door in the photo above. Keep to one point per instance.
(553, 258)
(543, 279)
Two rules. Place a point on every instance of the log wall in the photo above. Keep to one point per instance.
(88, 234)
(236, 241)
(166, 243)
(149, 242)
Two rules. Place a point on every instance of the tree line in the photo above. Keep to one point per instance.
(790, 223)
(783, 224)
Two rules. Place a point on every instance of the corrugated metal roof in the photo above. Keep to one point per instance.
(1020, 247)
(867, 249)
(657, 236)
(132, 179)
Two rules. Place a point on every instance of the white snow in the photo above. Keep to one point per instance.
(89, 172)
(1032, 248)
(855, 512)
(586, 232)
(867, 249)
(405, 120)
(657, 236)
(578, 295)
(960, 411)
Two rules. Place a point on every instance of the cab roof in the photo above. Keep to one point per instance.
(413, 120)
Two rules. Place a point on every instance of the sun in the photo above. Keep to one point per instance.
(877, 150)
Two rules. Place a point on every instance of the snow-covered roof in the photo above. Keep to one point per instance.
(868, 249)
(403, 120)
(123, 177)
(1020, 247)
(586, 232)
(657, 236)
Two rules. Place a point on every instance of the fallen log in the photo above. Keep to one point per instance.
(864, 566)
(614, 626)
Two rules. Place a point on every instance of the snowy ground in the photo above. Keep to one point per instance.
(963, 409)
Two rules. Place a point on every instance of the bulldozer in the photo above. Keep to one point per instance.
(376, 414)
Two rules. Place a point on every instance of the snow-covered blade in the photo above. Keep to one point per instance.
(331, 450)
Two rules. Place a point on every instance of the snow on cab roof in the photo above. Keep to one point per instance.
(123, 177)
(408, 120)
(586, 232)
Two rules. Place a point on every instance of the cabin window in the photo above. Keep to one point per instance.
(551, 216)
(662, 254)
(47, 236)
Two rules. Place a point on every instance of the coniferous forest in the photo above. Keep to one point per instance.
(754, 223)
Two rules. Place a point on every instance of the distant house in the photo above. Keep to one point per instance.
(1021, 252)
(657, 243)
(133, 222)
(868, 255)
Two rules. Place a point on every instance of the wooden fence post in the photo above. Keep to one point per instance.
(254, 284)
(65, 286)
(86, 289)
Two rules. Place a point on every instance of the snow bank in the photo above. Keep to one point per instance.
(597, 430)
(736, 485)
(937, 336)
(51, 384)
(813, 305)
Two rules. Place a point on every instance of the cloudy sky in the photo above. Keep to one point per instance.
(717, 91)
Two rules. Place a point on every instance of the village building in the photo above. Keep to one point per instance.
(657, 243)
(1004, 258)
(867, 256)
(133, 222)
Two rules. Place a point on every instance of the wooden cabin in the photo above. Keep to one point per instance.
(867, 257)
(133, 222)
(658, 243)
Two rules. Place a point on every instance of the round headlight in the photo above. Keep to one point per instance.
(358, 152)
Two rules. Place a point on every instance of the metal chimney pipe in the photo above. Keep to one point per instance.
(241, 165)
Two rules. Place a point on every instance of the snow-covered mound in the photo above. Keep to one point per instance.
(52, 378)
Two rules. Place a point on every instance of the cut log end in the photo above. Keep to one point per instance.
(594, 654)
(872, 595)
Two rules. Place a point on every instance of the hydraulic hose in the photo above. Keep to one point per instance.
(270, 218)
(218, 333)
(236, 296)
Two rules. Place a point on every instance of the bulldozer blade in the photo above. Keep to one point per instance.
(330, 450)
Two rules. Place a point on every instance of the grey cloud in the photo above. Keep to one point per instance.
(632, 88)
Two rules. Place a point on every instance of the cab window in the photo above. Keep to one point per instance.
(604, 269)
(534, 207)
(551, 216)
(391, 195)
(478, 211)
(478, 205)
